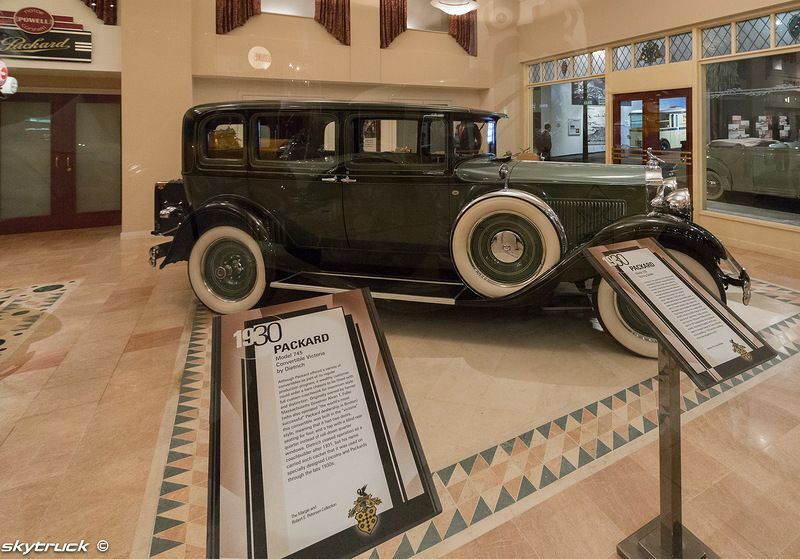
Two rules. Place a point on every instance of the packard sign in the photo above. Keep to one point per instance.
(35, 34)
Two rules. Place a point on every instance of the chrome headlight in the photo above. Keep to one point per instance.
(672, 199)
(667, 187)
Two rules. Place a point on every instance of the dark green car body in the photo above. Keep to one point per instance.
(386, 219)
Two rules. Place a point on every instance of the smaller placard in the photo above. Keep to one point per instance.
(706, 337)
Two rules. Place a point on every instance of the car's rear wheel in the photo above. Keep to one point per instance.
(227, 270)
(626, 325)
(502, 244)
(715, 188)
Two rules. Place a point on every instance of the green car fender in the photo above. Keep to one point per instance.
(232, 210)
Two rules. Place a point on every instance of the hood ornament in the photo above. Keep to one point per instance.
(504, 171)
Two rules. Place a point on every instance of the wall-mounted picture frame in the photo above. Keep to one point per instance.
(574, 127)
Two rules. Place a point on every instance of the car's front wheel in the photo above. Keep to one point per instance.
(715, 188)
(626, 325)
(227, 270)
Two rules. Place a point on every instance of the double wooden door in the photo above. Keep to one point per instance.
(660, 121)
(59, 162)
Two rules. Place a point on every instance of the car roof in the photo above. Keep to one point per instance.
(284, 104)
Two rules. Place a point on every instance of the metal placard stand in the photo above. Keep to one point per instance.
(696, 333)
(665, 537)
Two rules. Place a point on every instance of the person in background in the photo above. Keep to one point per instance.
(545, 143)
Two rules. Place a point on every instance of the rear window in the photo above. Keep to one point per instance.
(224, 138)
(296, 137)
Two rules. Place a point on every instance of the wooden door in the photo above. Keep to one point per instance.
(59, 162)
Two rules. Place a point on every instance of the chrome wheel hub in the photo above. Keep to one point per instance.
(507, 247)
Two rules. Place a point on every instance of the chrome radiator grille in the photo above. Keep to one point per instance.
(583, 218)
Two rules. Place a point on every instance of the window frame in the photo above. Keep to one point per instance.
(278, 165)
(202, 141)
(389, 168)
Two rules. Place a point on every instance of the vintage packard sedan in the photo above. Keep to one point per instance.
(753, 165)
(412, 202)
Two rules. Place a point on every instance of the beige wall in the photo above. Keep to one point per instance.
(418, 65)
(106, 39)
(156, 91)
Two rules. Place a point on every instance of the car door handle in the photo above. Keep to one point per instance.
(330, 179)
(348, 180)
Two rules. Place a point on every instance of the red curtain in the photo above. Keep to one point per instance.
(334, 15)
(235, 13)
(464, 29)
(105, 10)
(394, 20)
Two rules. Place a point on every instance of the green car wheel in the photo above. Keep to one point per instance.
(227, 270)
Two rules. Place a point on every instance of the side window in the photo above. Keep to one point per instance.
(472, 137)
(224, 138)
(296, 137)
(402, 142)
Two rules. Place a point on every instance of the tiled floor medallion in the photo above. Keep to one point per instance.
(21, 308)
(470, 490)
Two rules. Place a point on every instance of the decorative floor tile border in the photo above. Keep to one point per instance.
(470, 490)
(22, 307)
(179, 529)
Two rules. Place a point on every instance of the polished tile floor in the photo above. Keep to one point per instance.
(91, 381)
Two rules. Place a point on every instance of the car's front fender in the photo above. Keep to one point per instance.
(671, 231)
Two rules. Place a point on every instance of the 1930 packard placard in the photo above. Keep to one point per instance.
(313, 450)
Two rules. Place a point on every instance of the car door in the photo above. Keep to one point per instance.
(397, 183)
(294, 161)
(771, 161)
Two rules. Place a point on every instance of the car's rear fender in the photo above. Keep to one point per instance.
(232, 210)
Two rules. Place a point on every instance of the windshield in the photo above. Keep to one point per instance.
(474, 137)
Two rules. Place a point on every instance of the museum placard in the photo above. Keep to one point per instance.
(313, 450)
(709, 341)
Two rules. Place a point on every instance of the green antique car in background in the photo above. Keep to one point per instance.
(412, 202)
(753, 165)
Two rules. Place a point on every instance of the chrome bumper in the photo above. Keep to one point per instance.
(739, 278)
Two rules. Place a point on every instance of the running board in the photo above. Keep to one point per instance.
(395, 289)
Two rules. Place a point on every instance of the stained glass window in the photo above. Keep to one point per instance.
(598, 62)
(680, 47)
(650, 53)
(622, 57)
(717, 40)
(787, 28)
(580, 65)
(753, 34)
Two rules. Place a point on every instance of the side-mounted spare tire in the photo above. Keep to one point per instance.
(503, 241)
(227, 270)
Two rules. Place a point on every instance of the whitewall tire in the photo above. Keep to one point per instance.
(626, 327)
(227, 271)
(501, 244)
(715, 186)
